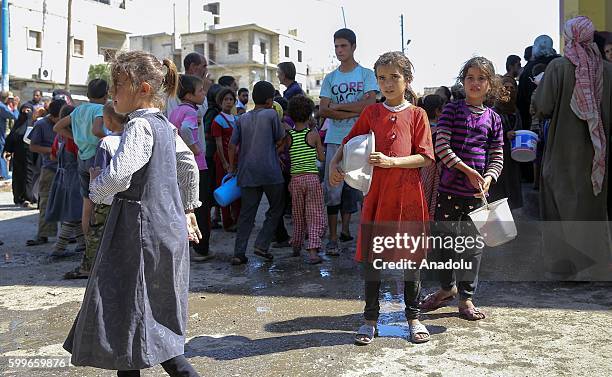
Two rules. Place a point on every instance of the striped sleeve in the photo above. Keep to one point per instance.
(495, 152)
(443, 137)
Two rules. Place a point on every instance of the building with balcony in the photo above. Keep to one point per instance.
(249, 53)
(38, 40)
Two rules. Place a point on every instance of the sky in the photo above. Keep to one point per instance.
(443, 33)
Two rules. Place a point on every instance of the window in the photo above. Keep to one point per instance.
(78, 47)
(212, 55)
(318, 82)
(300, 56)
(199, 48)
(232, 48)
(108, 53)
(34, 39)
(286, 51)
(262, 47)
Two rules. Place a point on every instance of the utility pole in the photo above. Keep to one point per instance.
(265, 64)
(343, 17)
(68, 45)
(402, 30)
(42, 36)
(5, 47)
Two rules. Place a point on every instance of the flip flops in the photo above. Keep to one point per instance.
(76, 274)
(431, 302)
(418, 329)
(472, 314)
(237, 261)
(315, 260)
(365, 335)
(264, 254)
(37, 241)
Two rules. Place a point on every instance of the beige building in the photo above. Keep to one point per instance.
(38, 38)
(249, 53)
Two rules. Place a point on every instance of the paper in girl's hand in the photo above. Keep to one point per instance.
(94, 173)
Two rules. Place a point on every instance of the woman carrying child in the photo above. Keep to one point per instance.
(185, 118)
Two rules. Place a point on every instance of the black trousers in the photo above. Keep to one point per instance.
(176, 367)
(251, 196)
(452, 220)
(281, 234)
(412, 293)
(203, 214)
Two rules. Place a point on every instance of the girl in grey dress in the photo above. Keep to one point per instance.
(134, 313)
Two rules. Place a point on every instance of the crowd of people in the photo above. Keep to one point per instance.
(117, 175)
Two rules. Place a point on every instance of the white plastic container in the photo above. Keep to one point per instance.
(355, 165)
(494, 222)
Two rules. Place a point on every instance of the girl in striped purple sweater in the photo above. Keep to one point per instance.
(469, 143)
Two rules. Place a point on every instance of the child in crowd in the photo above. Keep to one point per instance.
(144, 251)
(258, 133)
(281, 236)
(113, 122)
(430, 175)
(211, 150)
(403, 145)
(222, 128)
(185, 119)
(86, 127)
(65, 203)
(305, 148)
(508, 183)
(41, 140)
(469, 143)
(104, 153)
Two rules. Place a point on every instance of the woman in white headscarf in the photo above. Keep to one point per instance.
(576, 93)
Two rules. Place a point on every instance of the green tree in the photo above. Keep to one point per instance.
(99, 71)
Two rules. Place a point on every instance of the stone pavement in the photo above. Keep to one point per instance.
(287, 318)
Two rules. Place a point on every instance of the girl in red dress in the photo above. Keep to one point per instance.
(396, 199)
(221, 129)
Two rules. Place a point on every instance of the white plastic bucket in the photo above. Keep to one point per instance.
(494, 222)
(524, 146)
(355, 165)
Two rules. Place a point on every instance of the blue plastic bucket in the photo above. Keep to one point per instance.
(524, 146)
(228, 192)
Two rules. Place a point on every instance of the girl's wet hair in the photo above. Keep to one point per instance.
(140, 67)
(404, 64)
(109, 110)
(485, 65)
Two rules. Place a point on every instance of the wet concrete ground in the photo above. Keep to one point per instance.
(287, 318)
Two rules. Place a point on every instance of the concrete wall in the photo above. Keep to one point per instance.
(25, 15)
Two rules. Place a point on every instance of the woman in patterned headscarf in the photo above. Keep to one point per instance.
(576, 93)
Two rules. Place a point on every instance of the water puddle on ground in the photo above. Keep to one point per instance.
(325, 272)
(394, 330)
